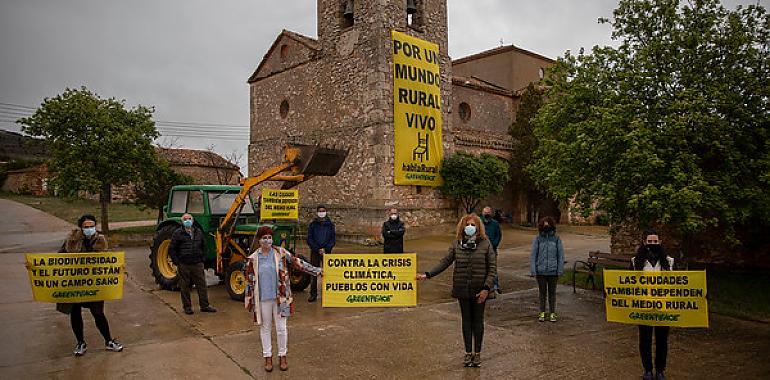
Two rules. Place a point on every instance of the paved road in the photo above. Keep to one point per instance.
(424, 341)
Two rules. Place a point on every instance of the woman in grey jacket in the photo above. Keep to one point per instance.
(474, 275)
(547, 264)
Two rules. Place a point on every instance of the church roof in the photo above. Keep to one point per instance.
(500, 50)
(482, 85)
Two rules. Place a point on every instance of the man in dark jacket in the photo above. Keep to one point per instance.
(321, 238)
(393, 233)
(186, 250)
(492, 228)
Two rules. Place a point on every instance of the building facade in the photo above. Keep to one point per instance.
(337, 90)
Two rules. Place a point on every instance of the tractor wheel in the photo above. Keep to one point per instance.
(163, 269)
(236, 280)
(299, 279)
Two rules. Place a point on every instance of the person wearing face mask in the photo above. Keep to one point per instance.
(187, 251)
(492, 228)
(268, 293)
(650, 257)
(393, 233)
(85, 238)
(547, 264)
(321, 238)
(475, 268)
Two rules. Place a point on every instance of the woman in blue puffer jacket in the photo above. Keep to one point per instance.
(547, 264)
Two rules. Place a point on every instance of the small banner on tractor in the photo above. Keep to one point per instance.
(369, 280)
(76, 277)
(667, 298)
(279, 204)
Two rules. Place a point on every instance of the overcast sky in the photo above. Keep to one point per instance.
(191, 58)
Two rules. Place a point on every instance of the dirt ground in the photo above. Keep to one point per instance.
(423, 341)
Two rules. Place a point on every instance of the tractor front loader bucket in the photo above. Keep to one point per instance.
(313, 160)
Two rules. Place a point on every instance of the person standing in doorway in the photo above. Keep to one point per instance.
(393, 233)
(547, 264)
(321, 238)
(187, 251)
(650, 257)
(86, 239)
(492, 227)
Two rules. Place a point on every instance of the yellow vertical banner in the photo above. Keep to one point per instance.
(416, 111)
(279, 204)
(369, 280)
(76, 277)
(665, 298)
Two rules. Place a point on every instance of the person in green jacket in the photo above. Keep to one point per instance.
(492, 227)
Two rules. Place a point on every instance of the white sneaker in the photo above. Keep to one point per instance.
(80, 349)
(114, 345)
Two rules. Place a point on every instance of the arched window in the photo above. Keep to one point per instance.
(284, 52)
(284, 110)
(465, 112)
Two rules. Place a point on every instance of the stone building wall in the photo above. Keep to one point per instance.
(490, 111)
(344, 97)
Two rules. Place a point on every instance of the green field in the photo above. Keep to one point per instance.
(71, 209)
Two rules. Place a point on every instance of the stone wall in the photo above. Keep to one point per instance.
(489, 111)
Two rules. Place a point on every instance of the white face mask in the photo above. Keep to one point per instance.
(393, 216)
(266, 242)
(322, 214)
(470, 230)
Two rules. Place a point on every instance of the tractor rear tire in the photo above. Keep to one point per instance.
(235, 280)
(299, 279)
(163, 269)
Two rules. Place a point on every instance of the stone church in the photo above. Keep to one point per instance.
(338, 90)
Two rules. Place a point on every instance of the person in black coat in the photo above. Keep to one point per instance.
(393, 233)
(321, 237)
(187, 251)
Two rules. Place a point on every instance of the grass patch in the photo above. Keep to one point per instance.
(135, 230)
(740, 295)
(71, 209)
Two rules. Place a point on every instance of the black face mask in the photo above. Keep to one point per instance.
(655, 249)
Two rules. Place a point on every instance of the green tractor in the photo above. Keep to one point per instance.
(229, 218)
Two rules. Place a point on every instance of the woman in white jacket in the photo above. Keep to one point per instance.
(268, 294)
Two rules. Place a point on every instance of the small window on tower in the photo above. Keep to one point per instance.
(414, 13)
(541, 73)
(284, 52)
(465, 112)
(284, 109)
(348, 10)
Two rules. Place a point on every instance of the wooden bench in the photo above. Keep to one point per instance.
(595, 260)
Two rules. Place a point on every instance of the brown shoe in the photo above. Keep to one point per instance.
(269, 364)
(283, 364)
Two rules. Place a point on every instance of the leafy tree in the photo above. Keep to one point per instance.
(469, 179)
(525, 143)
(153, 189)
(94, 143)
(670, 127)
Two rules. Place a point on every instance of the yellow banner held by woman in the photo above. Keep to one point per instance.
(76, 277)
(416, 111)
(279, 204)
(666, 298)
(369, 280)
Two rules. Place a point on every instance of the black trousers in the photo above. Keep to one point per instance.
(472, 314)
(189, 275)
(97, 310)
(547, 285)
(315, 260)
(661, 346)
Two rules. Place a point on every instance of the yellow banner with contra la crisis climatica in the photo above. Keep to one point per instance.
(76, 277)
(666, 298)
(416, 111)
(369, 280)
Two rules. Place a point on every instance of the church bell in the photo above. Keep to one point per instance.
(348, 9)
(411, 7)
